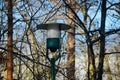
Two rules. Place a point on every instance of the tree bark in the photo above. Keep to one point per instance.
(102, 41)
(107, 67)
(71, 44)
(91, 57)
(91, 61)
(9, 42)
(71, 56)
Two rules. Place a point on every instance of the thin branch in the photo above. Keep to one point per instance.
(113, 31)
(76, 16)
(26, 57)
(113, 5)
(112, 53)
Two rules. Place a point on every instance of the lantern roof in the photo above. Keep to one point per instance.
(61, 26)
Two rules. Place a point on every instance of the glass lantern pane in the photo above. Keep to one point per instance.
(53, 31)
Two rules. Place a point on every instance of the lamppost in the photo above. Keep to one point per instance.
(53, 43)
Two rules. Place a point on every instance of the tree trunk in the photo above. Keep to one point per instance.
(71, 56)
(107, 67)
(102, 40)
(91, 57)
(91, 61)
(71, 44)
(9, 42)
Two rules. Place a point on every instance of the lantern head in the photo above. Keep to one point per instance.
(53, 34)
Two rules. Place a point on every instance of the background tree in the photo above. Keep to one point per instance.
(71, 42)
(102, 39)
(9, 42)
(29, 59)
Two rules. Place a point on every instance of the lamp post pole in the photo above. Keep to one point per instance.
(52, 69)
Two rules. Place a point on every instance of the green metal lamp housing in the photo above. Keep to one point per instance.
(53, 40)
(53, 44)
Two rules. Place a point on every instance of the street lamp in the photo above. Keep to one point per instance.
(53, 43)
